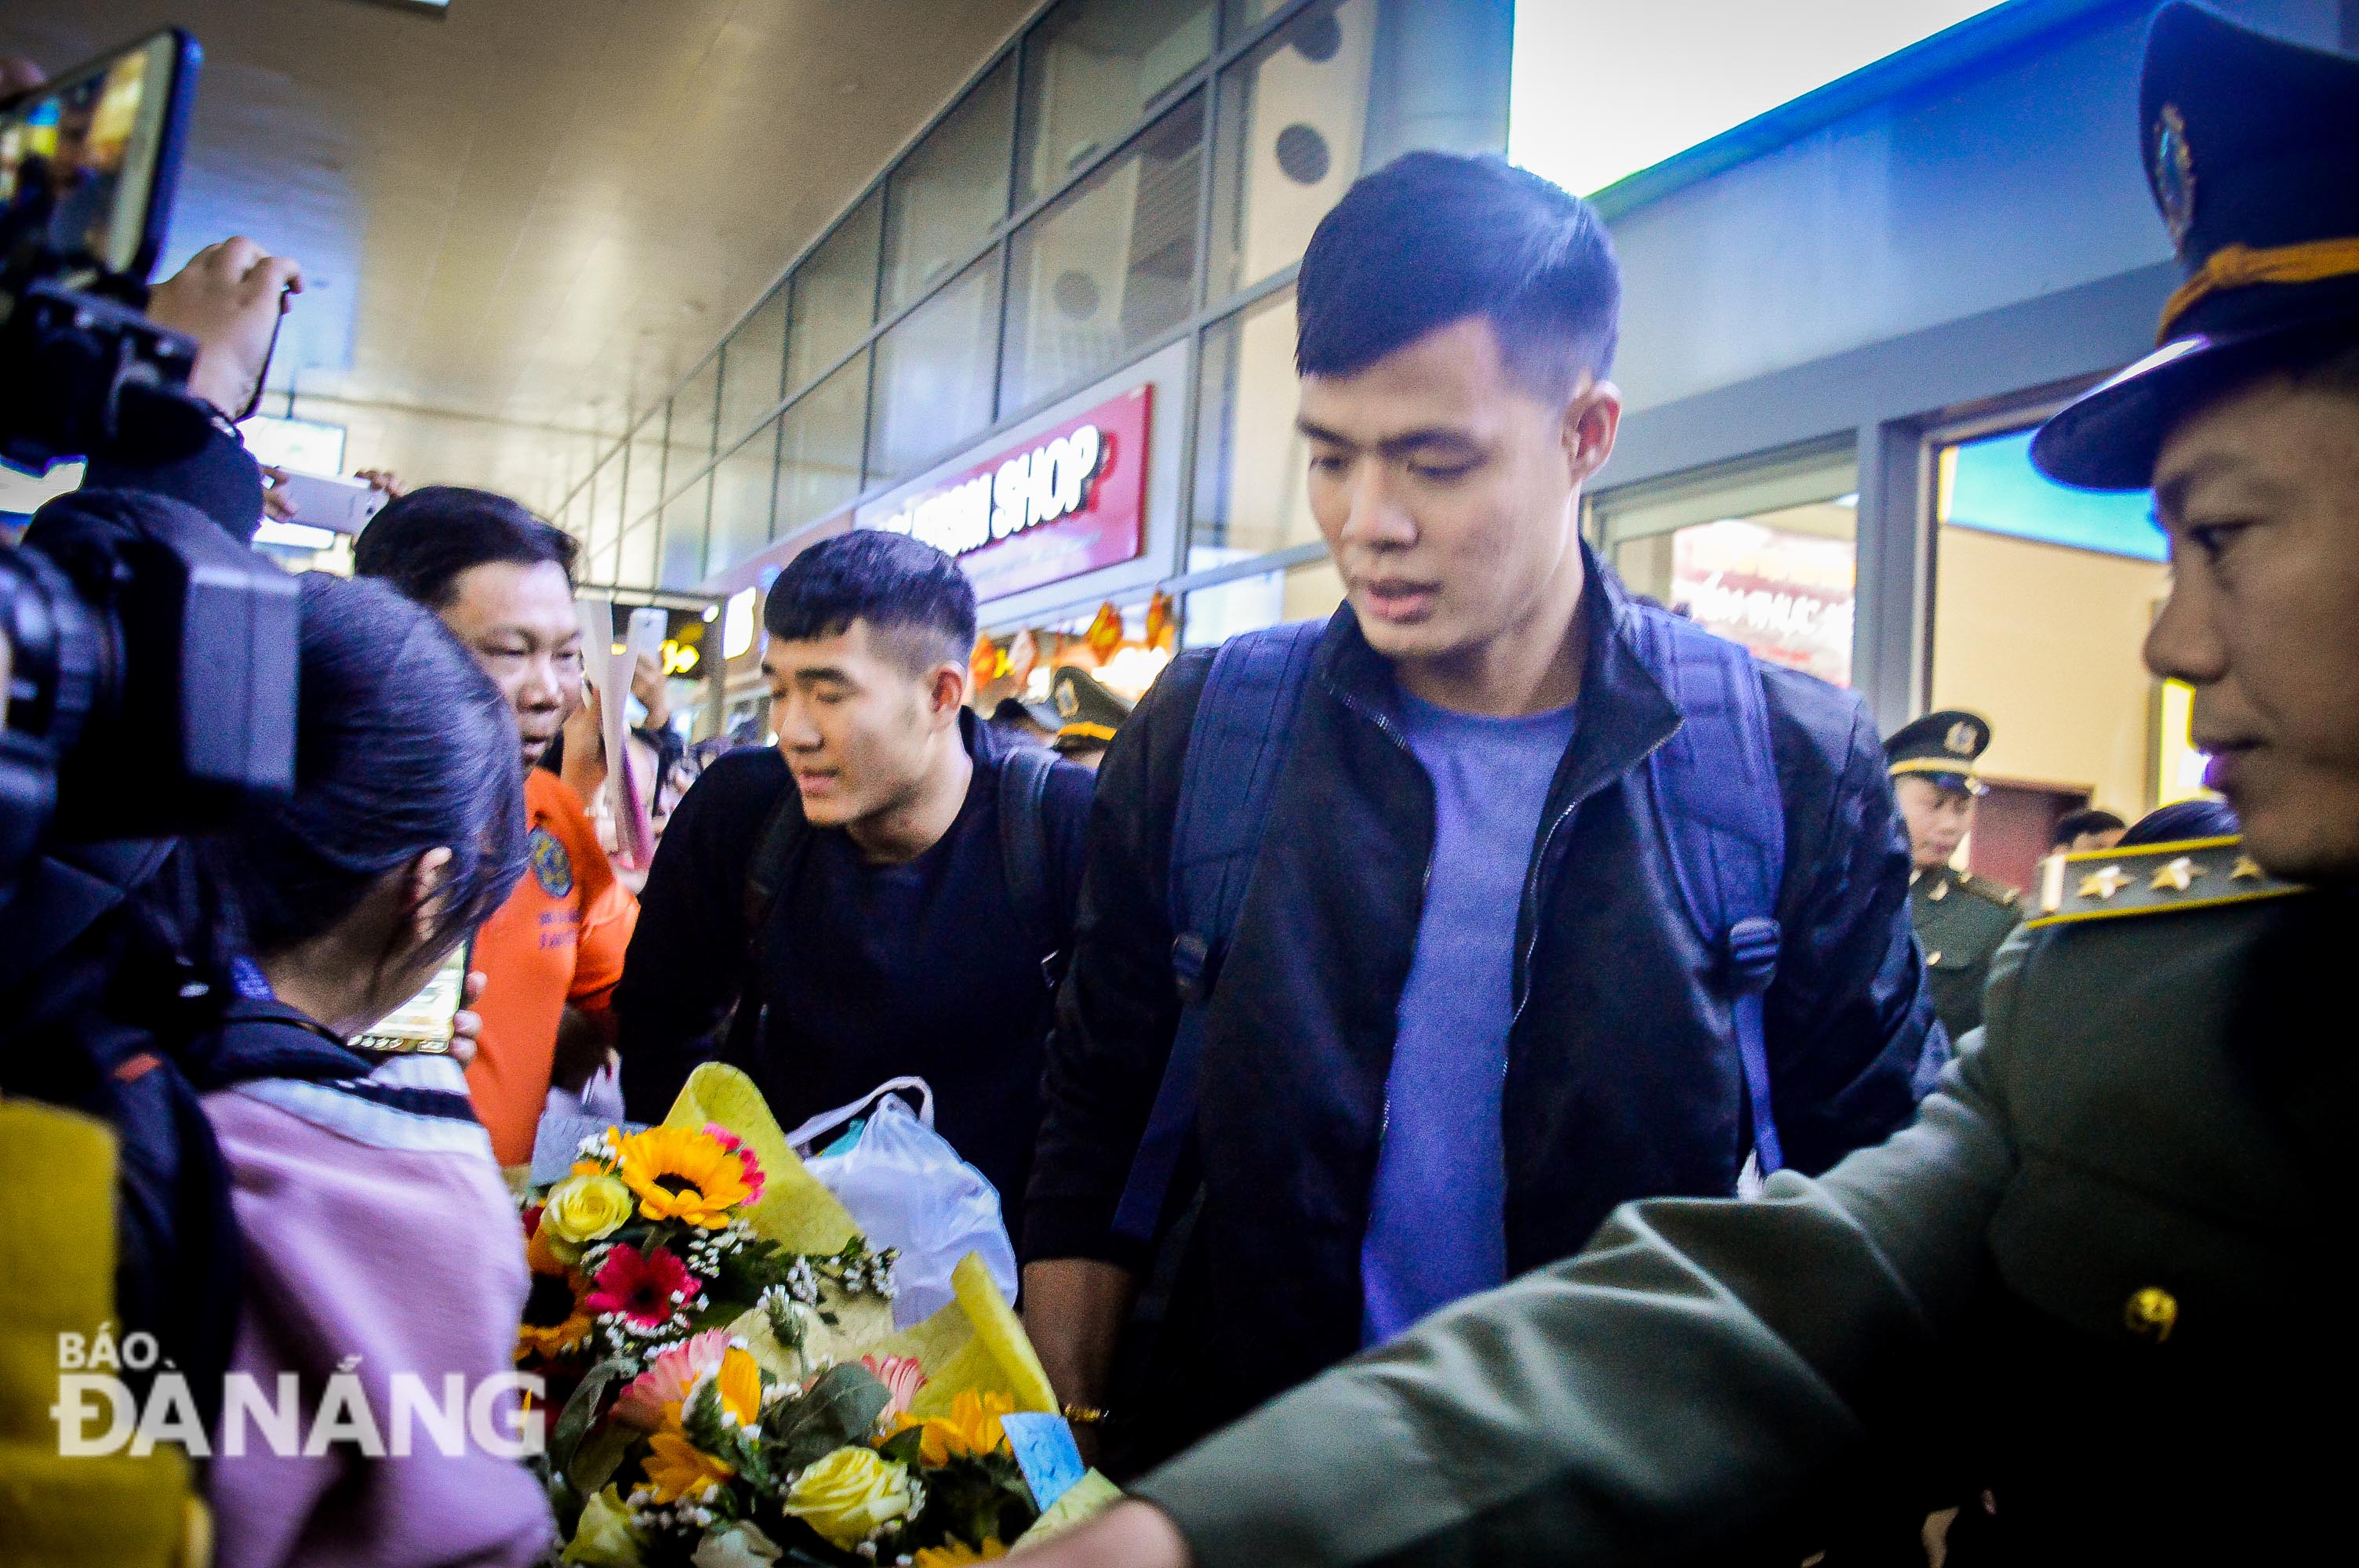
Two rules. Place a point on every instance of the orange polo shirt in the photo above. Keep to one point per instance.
(559, 938)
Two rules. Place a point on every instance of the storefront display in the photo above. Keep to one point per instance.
(1068, 500)
(1787, 596)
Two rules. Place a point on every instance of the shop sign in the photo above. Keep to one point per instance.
(1069, 500)
(1786, 595)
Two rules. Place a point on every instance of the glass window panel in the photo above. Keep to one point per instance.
(743, 483)
(2042, 597)
(597, 553)
(1765, 555)
(934, 374)
(684, 535)
(1111, 264)
(634, 564)
(1253, 492)
(1308, 591)
(1239, 15)
(1293, 116)
(606, 499)
(643, 486)
(819, 448)
(1092, 68)
(753, 367)
(947, 193)
(691, 433)
(834, 294)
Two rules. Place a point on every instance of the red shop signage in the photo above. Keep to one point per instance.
(1068, 499)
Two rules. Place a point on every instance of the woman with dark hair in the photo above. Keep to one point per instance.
(378, 1241)
(502, 582)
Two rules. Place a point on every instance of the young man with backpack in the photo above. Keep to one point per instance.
(1414, 943)
(885, 892)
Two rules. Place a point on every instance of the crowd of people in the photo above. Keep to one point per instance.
(1367, 1055)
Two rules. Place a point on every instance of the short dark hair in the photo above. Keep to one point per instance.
(1432, 238)
(2182, 820)
(422, 541)
(910, 594)
(402, 745)
(2088, 820)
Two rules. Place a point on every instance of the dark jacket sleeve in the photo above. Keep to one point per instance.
(220, 480)
(1850, 1013)
(1117, 1010)
(1663, 1396)
(687, 959)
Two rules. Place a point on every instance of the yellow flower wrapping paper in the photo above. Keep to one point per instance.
(975, 1343)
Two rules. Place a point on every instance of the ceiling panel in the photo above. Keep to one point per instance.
(521, 213)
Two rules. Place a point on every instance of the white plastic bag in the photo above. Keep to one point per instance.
(908, 1189)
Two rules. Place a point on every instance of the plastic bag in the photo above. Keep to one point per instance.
(908, 1189)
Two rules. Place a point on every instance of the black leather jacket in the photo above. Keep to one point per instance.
(1623, 1077)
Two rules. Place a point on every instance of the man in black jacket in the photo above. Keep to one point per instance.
(883, 893)
(1463, 1013)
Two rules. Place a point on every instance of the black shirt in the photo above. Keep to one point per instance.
(867, 973)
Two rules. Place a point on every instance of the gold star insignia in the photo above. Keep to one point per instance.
(2104, 884)
(2176, 877)
(2247, 870)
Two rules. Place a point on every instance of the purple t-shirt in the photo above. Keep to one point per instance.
(1436, 1222)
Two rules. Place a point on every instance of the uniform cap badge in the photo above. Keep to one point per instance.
(2151, 1313)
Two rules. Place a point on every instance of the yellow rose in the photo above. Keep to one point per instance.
(582, 1209)
(847, 1496)
(604, 1538)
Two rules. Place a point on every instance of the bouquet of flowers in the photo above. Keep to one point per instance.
(735, 1392)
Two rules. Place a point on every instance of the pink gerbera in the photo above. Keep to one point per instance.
(901, 1377)
(746, 1160)
(645, 1288)
(669, 1378)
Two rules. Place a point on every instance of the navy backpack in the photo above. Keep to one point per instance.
(1714, 789)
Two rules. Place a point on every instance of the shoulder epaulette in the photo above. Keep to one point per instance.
(1998, 893)
(2151, 879)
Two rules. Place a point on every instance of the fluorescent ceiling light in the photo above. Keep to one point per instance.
(1602, 90)
(305, 444)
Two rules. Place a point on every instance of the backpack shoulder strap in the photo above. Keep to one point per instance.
(1026, 848)
(1235, 748)
(263, 1039)
(783, 831)
(1244, 721)
(1715, 790)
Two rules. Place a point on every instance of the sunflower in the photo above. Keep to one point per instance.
(557, 1319)
(972, 1427)
(684, 1174)
(958, 1553)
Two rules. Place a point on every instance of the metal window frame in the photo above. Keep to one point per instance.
(1228, 47)
(1900, 401)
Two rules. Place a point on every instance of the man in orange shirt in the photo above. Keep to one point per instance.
(501, 581)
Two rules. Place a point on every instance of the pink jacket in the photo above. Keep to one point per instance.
(375, 1226)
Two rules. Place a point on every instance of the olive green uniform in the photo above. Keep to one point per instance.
(2105, 1275)
(1960, 919)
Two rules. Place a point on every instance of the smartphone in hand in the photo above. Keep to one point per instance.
(422, 1026)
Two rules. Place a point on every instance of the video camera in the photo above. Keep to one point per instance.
(147, 657)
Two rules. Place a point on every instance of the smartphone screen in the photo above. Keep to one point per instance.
(84, 157)
(421, 1026)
